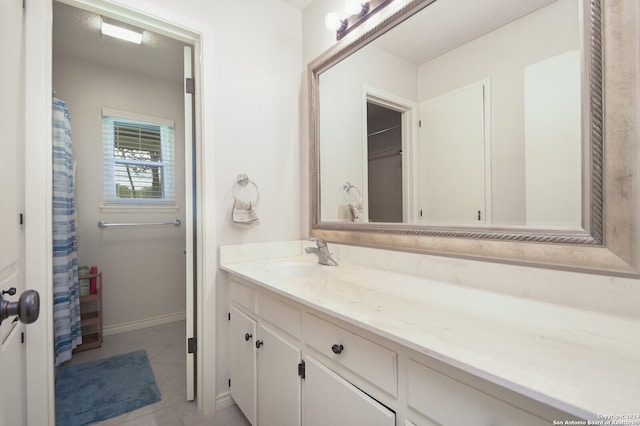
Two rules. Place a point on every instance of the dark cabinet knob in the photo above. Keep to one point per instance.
(247, 337)
(337, 349)
(259, 343)
(10, 292)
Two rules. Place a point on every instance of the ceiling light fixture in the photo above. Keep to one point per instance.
(121, 33)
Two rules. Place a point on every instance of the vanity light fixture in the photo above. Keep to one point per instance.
(356, 7)
(358, 10)
(334, 23)
(121, 33)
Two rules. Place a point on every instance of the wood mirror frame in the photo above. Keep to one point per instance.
(609, 243)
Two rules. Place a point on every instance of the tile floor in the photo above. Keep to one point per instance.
(165, 348)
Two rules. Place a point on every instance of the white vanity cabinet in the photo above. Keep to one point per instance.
(295, 365)
(275, 383)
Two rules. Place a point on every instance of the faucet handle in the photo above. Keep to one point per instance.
(320, 243)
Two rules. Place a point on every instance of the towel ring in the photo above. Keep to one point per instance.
(346, 196)
(242, 182)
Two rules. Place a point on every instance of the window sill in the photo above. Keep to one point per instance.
(138, 208)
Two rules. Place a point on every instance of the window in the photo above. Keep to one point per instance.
(138, 159)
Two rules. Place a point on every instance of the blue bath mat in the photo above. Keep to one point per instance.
(98, 390)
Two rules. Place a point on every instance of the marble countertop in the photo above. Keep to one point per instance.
(581, 362)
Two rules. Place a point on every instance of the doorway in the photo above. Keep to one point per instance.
(95, 73)
(384, 159)
(389, 141)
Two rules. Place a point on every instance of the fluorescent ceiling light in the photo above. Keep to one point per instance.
(121, 33)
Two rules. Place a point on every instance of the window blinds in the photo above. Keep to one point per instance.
(138, 161)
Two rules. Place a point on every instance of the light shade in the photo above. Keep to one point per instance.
(121, 33)
(333, 21)
(353, 7)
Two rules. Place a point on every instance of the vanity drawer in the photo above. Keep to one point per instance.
(280, 314)
(242, 295)
(373, 362)
(439, 398)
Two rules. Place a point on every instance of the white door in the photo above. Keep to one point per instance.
(12, 352)
(452, 158)
(190, 224)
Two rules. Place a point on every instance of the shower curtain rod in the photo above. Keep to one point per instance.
(102, 224)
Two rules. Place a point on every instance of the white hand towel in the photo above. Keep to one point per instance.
(357, 213)
(244, 213)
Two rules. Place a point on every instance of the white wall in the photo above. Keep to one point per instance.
(143, 268)
(257, 88)
(344, 117)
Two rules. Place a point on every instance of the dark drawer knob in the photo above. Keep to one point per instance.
(259, 343)
(10, 292)
(337, 349)
(247, 337)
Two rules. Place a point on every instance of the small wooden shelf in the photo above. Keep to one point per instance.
(90, 297)
(91, 316)
(90, 341)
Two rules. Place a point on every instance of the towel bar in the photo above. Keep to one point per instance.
(102, 224)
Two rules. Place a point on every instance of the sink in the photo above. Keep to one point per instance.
(301, 269)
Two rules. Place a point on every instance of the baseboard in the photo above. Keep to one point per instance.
(224, 400)
(149, 322)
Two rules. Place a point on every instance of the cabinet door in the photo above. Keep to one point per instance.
(278, 381)
(439, 398)
(242, 353)
(331, 400)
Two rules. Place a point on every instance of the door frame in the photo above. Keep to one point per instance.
(38, 181)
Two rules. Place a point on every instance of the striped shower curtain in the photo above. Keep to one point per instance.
(66, 294)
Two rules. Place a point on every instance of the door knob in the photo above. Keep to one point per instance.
(259, 343)
(27, 308)
(247, 337)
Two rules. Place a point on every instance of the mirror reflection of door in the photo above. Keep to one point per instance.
(384, 159)
(452, 157)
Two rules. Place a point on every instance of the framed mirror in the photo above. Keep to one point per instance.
(466, 130)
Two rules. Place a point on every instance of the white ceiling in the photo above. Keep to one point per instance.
(443, 26)
(76, 33)
(298, 4)
(447, 24)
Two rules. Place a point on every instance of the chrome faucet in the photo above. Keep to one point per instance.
(322, 251)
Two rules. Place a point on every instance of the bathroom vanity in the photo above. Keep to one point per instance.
(358, 345)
